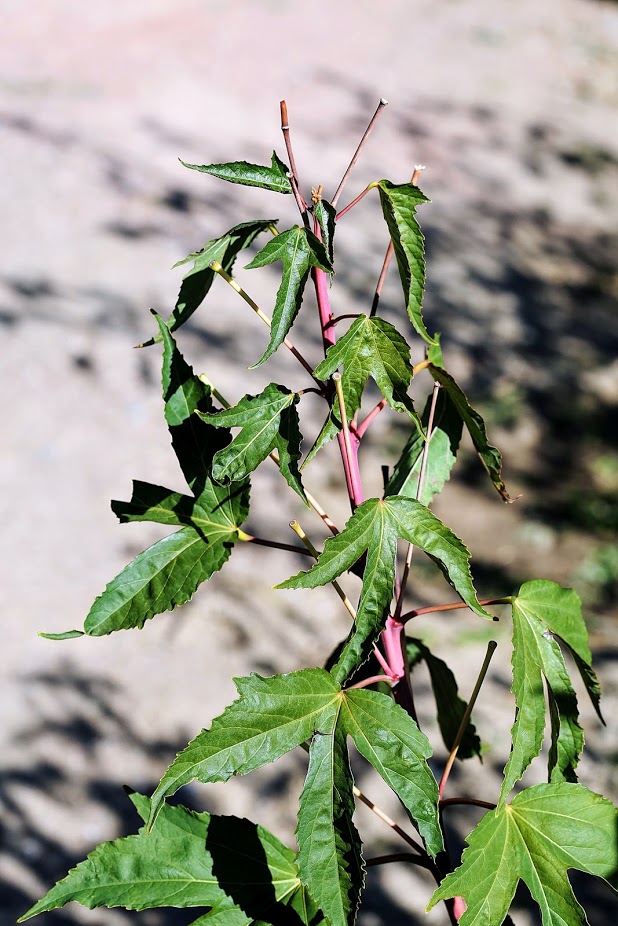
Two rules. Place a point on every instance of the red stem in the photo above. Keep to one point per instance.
(351, 205)
(329, 336)
(454, 606)
(360, 430)
(366, 135)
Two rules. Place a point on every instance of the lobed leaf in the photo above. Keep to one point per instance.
(299, 250)
(542, 609)
(270, 717)
(330, 862)
(161, 578)
(196, 283)
(399, 202)
(374, 528)
(450, 707)
(238, 869)
(544, 832)
(441, 454)
(267, 421)
(273, 178)
(371, 347)
(168, 573)
(386, 735)
(490, 455)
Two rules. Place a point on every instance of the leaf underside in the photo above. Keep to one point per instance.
(543, 614)
(490, 455)
(546, 830)
(441, 454)
(399, 202)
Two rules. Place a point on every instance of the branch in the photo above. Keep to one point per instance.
(491, 648)
(397, 857)
(351, 205)
(419, 492)
(366, 682)
(369, 418)
(452, 801)
(216, 266)
(454, 606)
(361, 145)
(275, 544)
(313, 552)
(389, 822)
(293, 175)
(351, 452)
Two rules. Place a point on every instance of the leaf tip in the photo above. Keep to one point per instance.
(67, 635)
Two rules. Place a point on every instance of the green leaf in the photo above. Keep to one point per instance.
(443, 446)
(161, 578)
(451, 708)
(542, 609)
(544, 832)
(385, 734)
(330, 863)
(168, 573)
(374, 527)
(190, 860)
(371, 347)
(156, 504)
(66, 635)
(273, 178)
(490, 456)
(194, 441)
(399, 202)
(299, 250)
(267, 421)
(325, 214)
(197, 282)
(270, 717)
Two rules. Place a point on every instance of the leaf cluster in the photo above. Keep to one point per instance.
(232, 870)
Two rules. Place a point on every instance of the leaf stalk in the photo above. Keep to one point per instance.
(491, 648)
(381, 105)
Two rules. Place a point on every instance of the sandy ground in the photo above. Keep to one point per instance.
(512, 107)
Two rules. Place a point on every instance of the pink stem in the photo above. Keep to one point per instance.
(454, 606)
(360, 430)
(382, 661)
(370, 681)
(351, 205)
(329, 336)
(326, 317)
(391, 637)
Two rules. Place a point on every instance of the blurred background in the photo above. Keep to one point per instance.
(512, 108)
